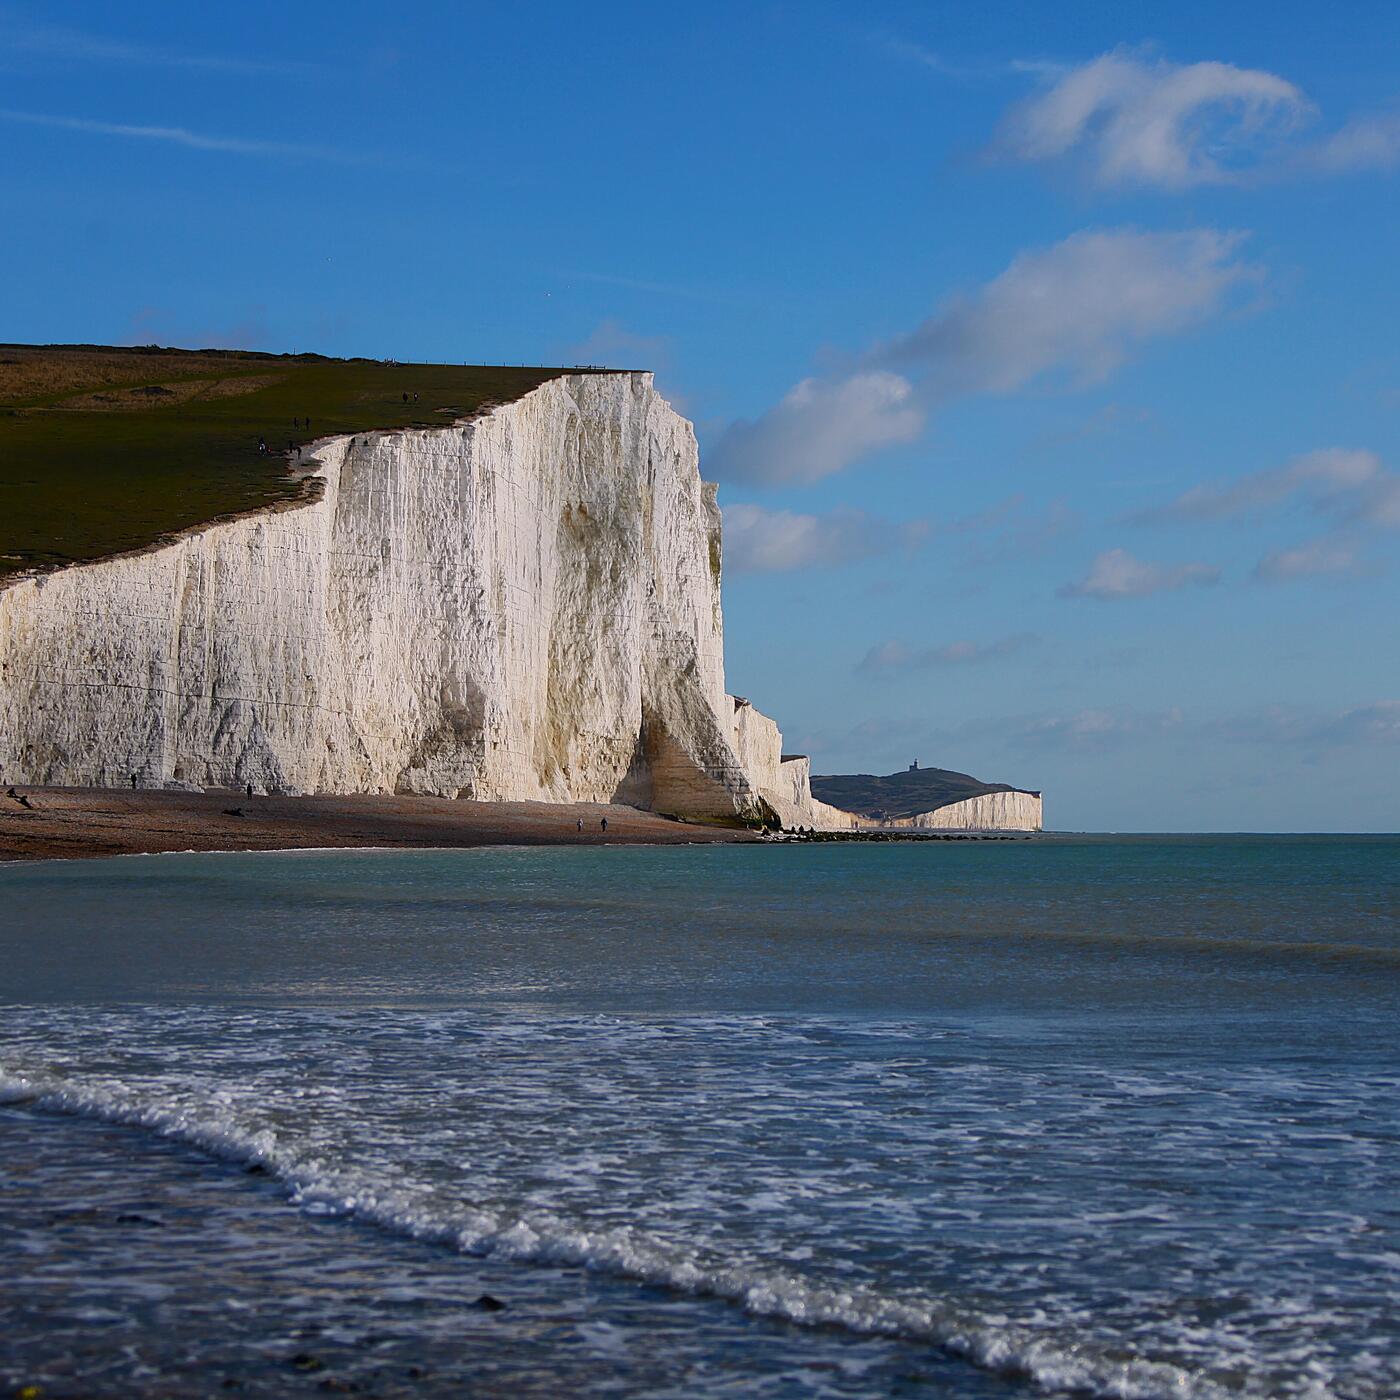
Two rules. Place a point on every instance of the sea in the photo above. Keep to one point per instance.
(1090, 1116)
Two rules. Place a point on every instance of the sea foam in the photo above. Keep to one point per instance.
(319, 1187)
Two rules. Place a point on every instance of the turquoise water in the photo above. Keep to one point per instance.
(1098, 1116)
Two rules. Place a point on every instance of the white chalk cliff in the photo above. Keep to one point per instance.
(991, 811)
(522, 606)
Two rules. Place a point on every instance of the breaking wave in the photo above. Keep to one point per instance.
(325, 1187)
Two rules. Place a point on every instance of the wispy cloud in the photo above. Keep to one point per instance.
(818, 428)
(1368, 143)
(1349, 486)
(923, 56)
(611, 341)
(1076, 310)
(1095, 729)
(1108, 421)
(1129, 118)
(931, 60)
(1365, 726)
(1324, 555)
(1378, 502)
(896, 656)
(1071, 313)
(77, 46)
(1329, 475)
(1376, 724)
(1137, 120)
(757, 540)
(182, 136)
(1116, 574)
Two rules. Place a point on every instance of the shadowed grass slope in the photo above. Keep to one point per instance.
(108, 449)
(900, 794)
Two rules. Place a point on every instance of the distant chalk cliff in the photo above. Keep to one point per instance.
(935, 799)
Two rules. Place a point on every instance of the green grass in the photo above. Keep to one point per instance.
(105, 450)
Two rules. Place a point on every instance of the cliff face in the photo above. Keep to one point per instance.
(526, 606)
(929, 798)
(992, 811)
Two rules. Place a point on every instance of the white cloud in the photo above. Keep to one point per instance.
(757, 540)
(820, 427)
(1131, 119)
(895, 656)
(1095, 728)
(1117, 574)
(1365, 143)
(1325, 555)
(181, 136)
(1076, 310)
(1330, 473)
(1350, 485)
(1378, 502)
(1150, 122)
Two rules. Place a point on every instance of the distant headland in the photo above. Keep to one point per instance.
(931, 798)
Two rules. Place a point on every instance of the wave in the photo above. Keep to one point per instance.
(988, 1340)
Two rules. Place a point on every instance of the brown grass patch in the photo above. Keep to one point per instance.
(36, 372)
(144, 396)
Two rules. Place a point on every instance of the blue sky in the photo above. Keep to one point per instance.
(1046, 355)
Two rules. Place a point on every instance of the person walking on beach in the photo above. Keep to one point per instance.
(580, 826)
(133, 782)
(604, 823)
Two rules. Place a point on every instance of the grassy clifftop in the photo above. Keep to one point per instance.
(107, 449)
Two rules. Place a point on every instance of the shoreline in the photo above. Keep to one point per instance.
(95, 823)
